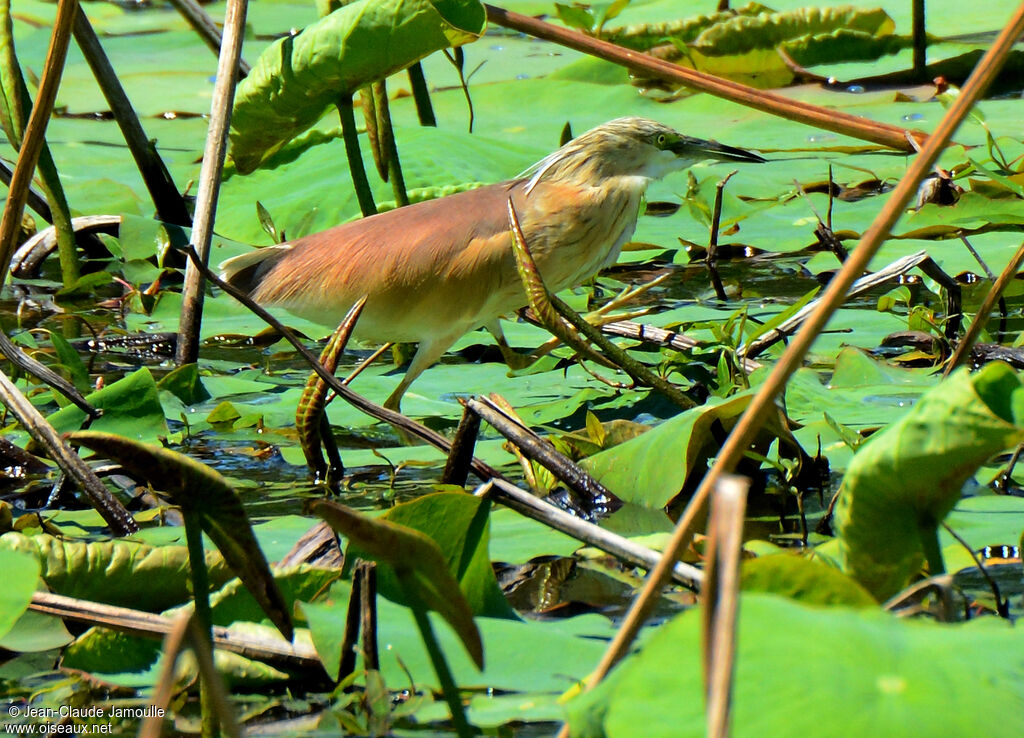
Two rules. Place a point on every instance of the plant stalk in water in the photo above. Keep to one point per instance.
(421, 94)
(355, 157)
(204, 620)
(440, 664)
(209, 179)
(170, 205)
(387, 134)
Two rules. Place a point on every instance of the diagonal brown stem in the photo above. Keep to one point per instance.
(110, 509)
(170, 205)
(801, 112)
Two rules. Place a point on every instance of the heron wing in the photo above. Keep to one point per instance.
(414, 259)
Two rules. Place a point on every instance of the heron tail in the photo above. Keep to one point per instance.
(245, 272)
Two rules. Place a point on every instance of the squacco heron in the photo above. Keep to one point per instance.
(435, 270)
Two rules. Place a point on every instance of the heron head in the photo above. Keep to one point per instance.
(632, 147)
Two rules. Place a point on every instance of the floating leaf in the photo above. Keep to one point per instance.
(842, 45)
(106, 651)
(803, 579)
(576, 16)
(652, 469)
(36, 632)
(132, 661)
(984, 520)
(644, 36)
(745, 47)
(131, 407)
(185, 384)
(745, 33)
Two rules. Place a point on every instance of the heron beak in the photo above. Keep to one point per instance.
(696, 148)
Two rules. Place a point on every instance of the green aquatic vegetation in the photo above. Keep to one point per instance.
(909, 476)
(299, 77)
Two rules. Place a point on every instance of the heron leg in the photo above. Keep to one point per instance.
(513, 358)
(427, 354)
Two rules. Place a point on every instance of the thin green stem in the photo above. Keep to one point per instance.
(444, 674)
(70, 267)
(932, 551)
(421, 94)
(204, 620)
(387, 135)
(200, 576)
(355, 156)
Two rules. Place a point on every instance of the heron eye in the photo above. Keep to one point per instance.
(661, 139)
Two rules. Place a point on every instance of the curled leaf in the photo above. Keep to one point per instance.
(905, 479)
(296, 79)
(417, 561)
(116, 572)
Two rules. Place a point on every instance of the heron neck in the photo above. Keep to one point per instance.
(574, 165)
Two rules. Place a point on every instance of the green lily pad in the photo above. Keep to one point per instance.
(848, 672)
(131, 408)
(653, 468)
